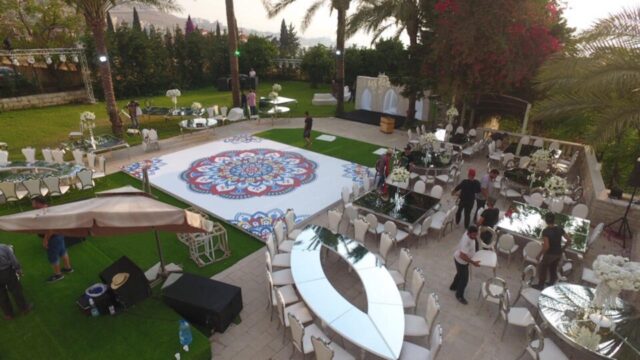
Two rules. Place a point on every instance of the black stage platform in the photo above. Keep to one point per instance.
(371, 117)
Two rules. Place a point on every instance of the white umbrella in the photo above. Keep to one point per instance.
(120, 211)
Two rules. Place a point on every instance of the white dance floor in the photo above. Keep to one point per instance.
(250, 181)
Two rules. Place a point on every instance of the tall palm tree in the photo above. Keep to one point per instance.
(598, 80)
(232, 27)
(341, 7)
(95, 15)
(373, 16)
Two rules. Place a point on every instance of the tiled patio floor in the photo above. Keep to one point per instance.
(467, 334)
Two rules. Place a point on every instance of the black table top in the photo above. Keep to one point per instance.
(414, 206)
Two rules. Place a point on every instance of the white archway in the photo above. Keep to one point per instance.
(390, 103)
(366, 99)
(419, 107)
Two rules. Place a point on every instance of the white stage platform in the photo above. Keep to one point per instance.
(250, 181)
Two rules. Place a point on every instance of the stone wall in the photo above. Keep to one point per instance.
(43, 100)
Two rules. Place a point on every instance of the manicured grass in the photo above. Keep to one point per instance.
(56, 329)
(342, 148)
(48, 127)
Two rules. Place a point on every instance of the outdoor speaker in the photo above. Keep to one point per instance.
(634, 179)
(135, 289)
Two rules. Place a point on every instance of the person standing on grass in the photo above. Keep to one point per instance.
(9, 283)
(466, 192)
(552, 250)
(54, 244)
(243, 101)
(133, 114)
(308, 124)
(462, 258)
(251, 101)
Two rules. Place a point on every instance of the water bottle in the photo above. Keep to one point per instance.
(185, 335)
(94, 309)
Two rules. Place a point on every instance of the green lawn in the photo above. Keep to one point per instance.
(56, 329)
(48, 127)
(342, 148)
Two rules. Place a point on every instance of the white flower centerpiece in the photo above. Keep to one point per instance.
(452, 113)
(174, 94)
(616, 273)
(428, 139)
(399, 175)
(273, 96)
(88, 122)
(587, 338)
(540, 159)
(196, 107)
(555, 186)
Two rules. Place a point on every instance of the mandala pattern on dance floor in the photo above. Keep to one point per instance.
(355, 172)
(243, 174)
(135, 169)
(242, 139)
(261, 223)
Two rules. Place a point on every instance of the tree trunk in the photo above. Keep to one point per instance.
(413, 44)
(233, 47)
(97, 28)
(342, 7)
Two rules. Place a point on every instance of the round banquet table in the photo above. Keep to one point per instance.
(565, 307)
(197, 124)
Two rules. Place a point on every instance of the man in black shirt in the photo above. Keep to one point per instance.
(552, 250)
(9, 283)
(489, 217)
(308, 124)
(409, 157)
(466, 191)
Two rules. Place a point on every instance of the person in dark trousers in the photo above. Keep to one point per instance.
(243, 102)
(379, 178)
(132, 108)
(552, 250)
(409, 157)
(489, 218)
(486, 189)
(466, 192)
(308, 124)
(462, 258)
(9, 283)
(55, 246)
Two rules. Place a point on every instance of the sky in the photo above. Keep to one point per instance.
(251, 14)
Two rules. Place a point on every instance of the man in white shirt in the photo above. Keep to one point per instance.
(462, 257)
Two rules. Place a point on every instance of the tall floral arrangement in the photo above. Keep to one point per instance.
(196, 107)
(555, 186)
(428, 138)
(616, 273)
(541, 155)
(275, 91)
(452, 113)
(88, 122)
(399, 175)
(174, 94)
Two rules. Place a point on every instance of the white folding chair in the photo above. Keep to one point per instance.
(491, 291)
(580, 211)
(524, 161)
(326, 350)
(34, 188)
(411, 351)
(415, 325)
(47, 156)
(386, 241)
(535, 199)
(360, 230)
(288, 292)
(29, 154)
(334, 221)
(538, 142)
(11, 192)
(420, 187)
(525, 140)
(282, 260)
(284, 244)
(396, 234)
(421, 230)
(78, 157)
(375, 228)
(85, 180)
(290, 221)
(4, 158)
(507, 245)
(531, 251)
(541, 348)
(530, 294)
(301, 335)
(436, 192)
(404, 262)
(53, 185)
(58, 156)
(460, 130)
(518, 316)
(410, 298)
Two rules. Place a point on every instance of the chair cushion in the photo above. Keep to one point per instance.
(288, 293)
(281, 260)
(401, 235)
(407, 299)
(309, 331)
(531, 295)
(415, 325)
(286, 246)
(293, 234)
(300, 311)
(520, 316)
(411, 351)
(282, 277)
(397, 277)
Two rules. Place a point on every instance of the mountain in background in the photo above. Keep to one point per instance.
(160, 20)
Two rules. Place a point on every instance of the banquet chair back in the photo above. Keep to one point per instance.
(100, 170)
(420, 187)
(334, 220)
(278, 229)
(386, 241)
(271, 247)
(372, 220)
(223, 111)
(34, 188)
(531, 251)
(525, 140)
(360, 230)
(289, 219)
(508, 160)
(554, 145)
(78, 157)
(345, 195)
(538, 142)
(322, 348)
(433, 309)
(297, 332)
(91, 160)
(417, 284)
(460, 130)
(436, 192)
(556, 205)
(29, 154)
(355, 190)
(536, 199)
(47, 156)
(424, 227)
(580, 210)
(530, 294)
(404, 262)
(53, 185)
(391, 228)
(507, 245)
(435, 342)
(352, 214)
(366, 183)
(10, 191)
(85, 179)
(524, 162)
(4, 158)
(58, 156)
(448, 128)
(472, 133)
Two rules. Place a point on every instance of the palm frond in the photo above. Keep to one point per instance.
(311, 11)
(273, 9)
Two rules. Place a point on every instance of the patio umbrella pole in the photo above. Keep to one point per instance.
(163, 273)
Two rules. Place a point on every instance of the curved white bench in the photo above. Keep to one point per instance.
(380, 330)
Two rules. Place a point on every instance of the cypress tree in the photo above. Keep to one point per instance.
(136, 21)
(218, 29)
(189, 28)
(284, 39)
